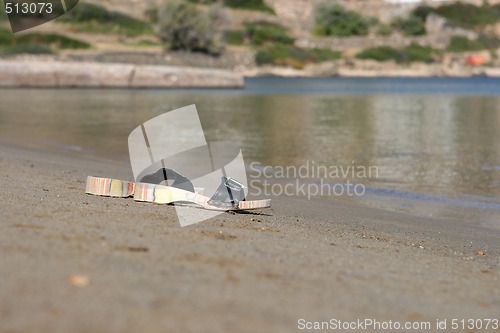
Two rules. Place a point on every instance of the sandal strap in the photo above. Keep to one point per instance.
(108, 187)
(161, 194)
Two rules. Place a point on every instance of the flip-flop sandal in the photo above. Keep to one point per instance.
(229, 196)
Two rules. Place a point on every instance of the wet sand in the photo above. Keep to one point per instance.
(315, 260)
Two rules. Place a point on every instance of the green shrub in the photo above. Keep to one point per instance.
(52, 40)
(381, 53)
(334, 20)
(469, 16)
(259, 33)
(265, 32)
(182, 26)
(37, 43)
(3, 15)
(6, 36)
(384, 30)
(422, 12)
(464, 44)
(32, 48)
(415, 52)
(204, 2)
(489, 42)
(291, 56)
(320, 55)
(411, 53)
(258, 5)
(93, 18)
(143, 43)
(249, 5)
(234, 37)
(410, 26)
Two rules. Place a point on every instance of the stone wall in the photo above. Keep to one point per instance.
(31, 73)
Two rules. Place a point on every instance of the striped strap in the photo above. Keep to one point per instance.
(254, 204)
(109, 187)
(161, 194)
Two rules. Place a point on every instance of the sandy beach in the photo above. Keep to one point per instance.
(373, 126)
(142, 272)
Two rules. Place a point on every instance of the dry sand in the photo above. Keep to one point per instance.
(77, 263)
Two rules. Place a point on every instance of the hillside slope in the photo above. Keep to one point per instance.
(438, 51)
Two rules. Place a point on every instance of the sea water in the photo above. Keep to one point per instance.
(427, 140)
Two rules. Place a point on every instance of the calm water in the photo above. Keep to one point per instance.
(431, 139)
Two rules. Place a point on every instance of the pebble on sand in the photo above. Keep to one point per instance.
(79, 280)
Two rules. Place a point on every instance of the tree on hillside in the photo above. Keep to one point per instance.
(332, 19)
(182, 26)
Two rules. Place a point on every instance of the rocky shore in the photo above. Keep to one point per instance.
(371, 68)
(29, 73)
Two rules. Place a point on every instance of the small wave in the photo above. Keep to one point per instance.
(63, 146)
(478, 202)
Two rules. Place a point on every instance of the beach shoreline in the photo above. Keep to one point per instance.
(52, 72)
(34, 73)
(263, 272)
